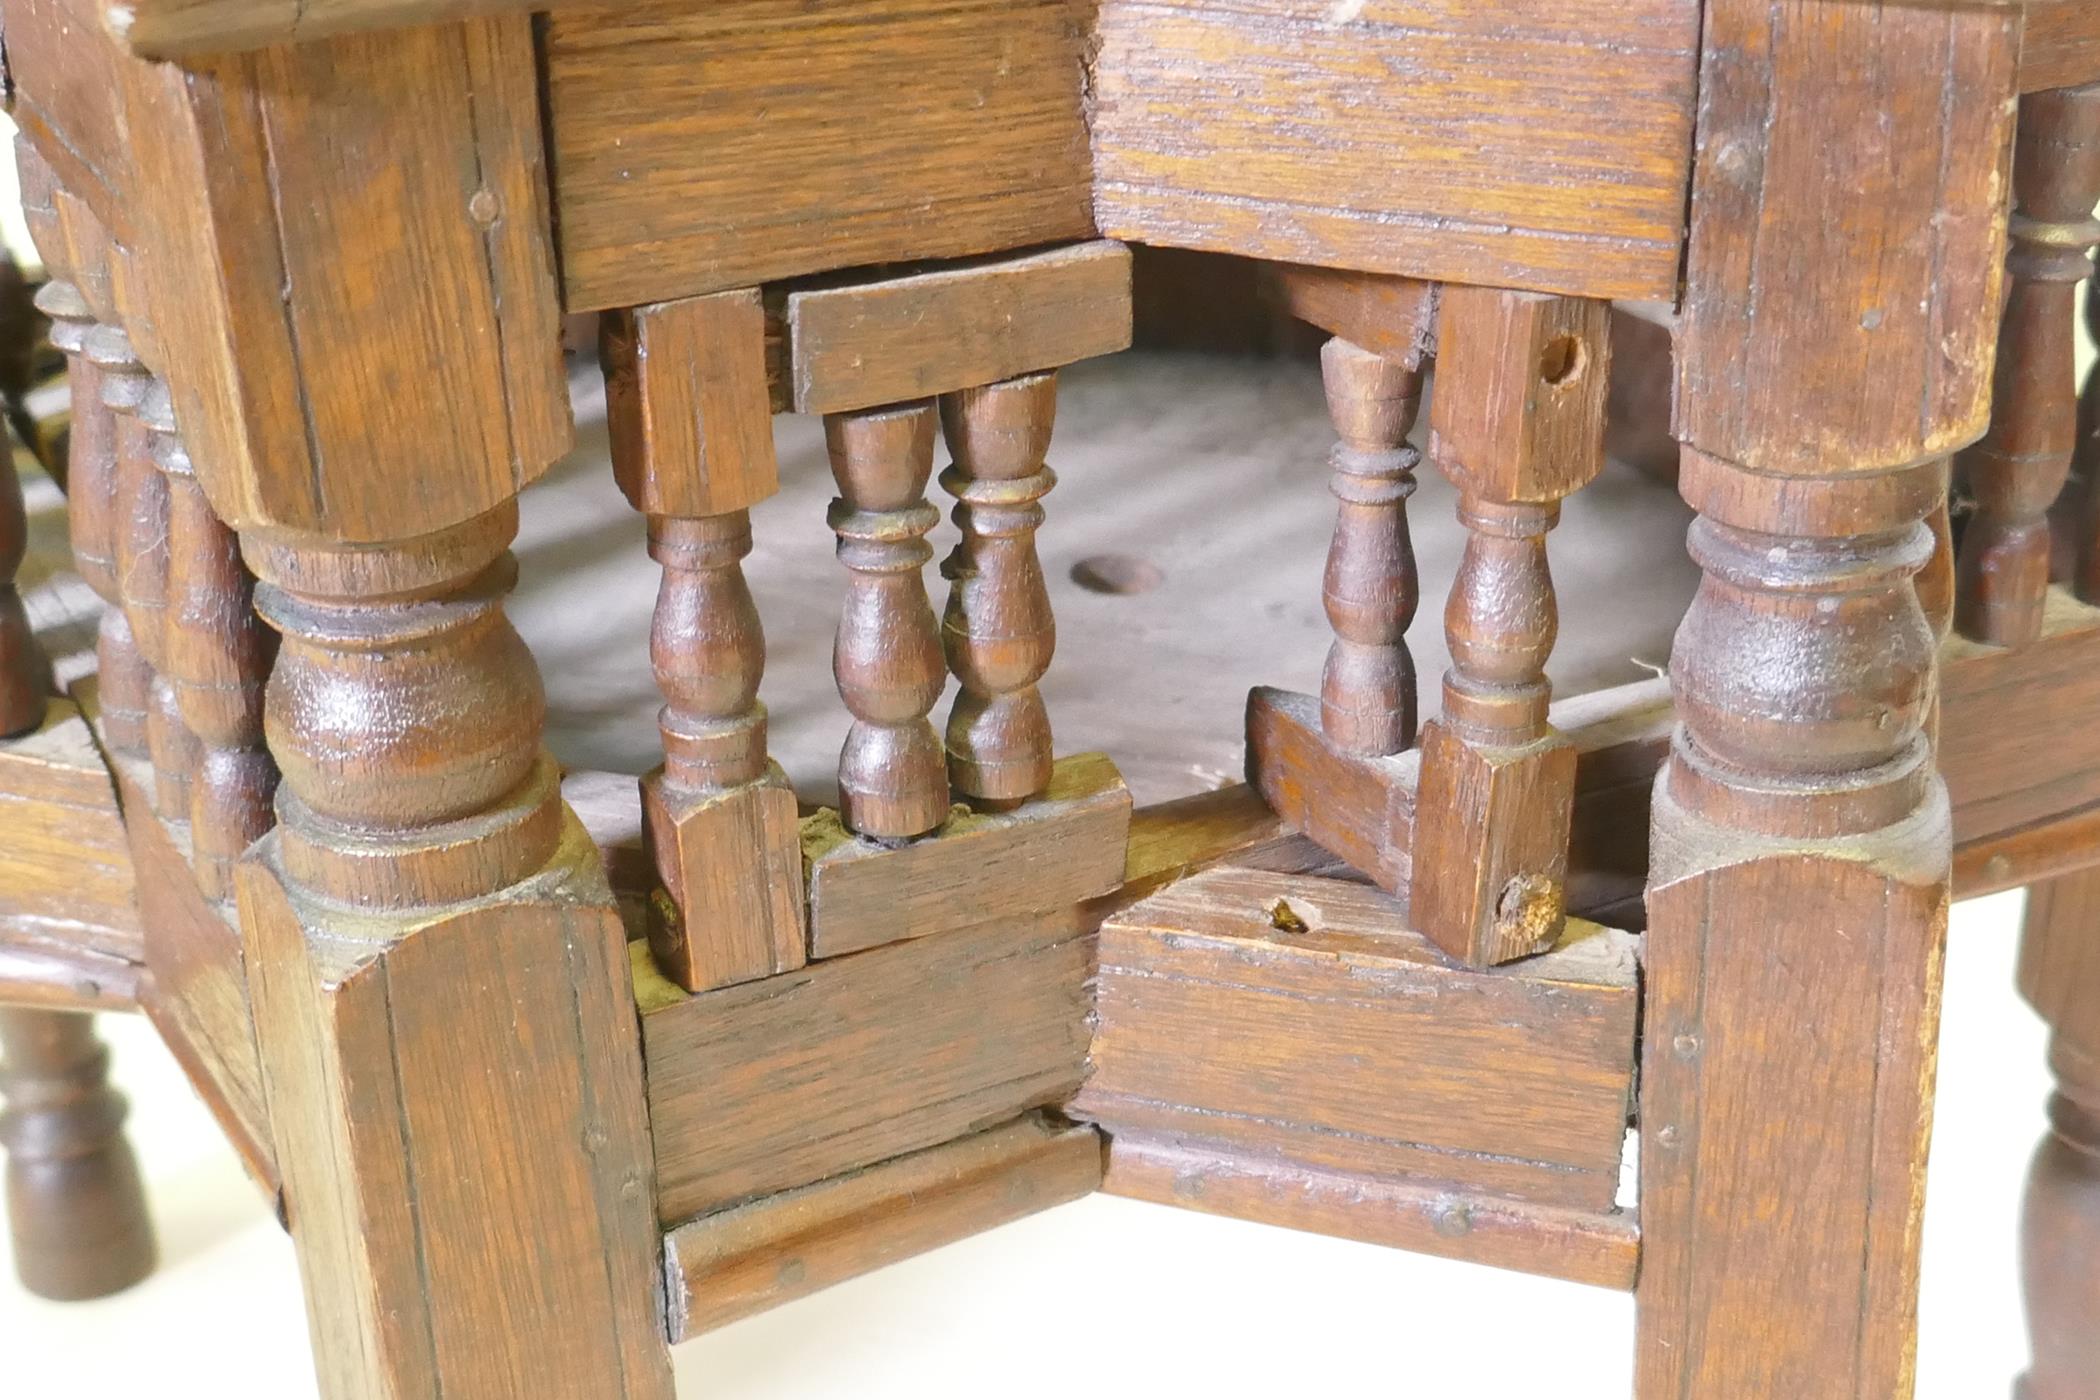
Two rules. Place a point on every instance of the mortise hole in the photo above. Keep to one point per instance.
(1118, 574)
(1561, 363)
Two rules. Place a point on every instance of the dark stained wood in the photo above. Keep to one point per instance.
(2060, 977)
(53, 975)
(1370, 588)
(1582, 1246)
(893, 777)
(687, 404)
(2019, 469)
(2008, 760)
(1064, 846)
(65, 869)
(861, 344)
(1403, 136)
(76, 1211)
(441, 991)
(1360, 808)
(2062, 47)
(756, 1256)
(1392, 317)
(1517, 425)
(186, 28)
(998, 631)
(196, 985)
(1298, 1018)
(308, 320)
(690, 417)
(1828, 364)
(736, 143)
(772, 1085)
(1760, 255)
(25, 677)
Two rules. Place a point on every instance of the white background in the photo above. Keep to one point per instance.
(1103, 1298)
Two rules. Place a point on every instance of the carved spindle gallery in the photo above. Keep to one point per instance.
(1519, 419)
(218, 655)
(690, 415)
(1367, 691)
(893, 781)
(74, 1203)
(404, 712)
(174, 747)
(998, 629)
(2019, 468)
(102, 480)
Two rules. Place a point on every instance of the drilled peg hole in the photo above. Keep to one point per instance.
(1118, 574)
(1562, 361)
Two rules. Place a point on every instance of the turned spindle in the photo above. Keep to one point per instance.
(404, 713)
(708, 650)
(99, 505)
(24, 678)
(173, 747)
(893, 779)
(2019, 468)
(1500, 623)
(1936, 586)
(218, 655)
(74, 1203)
(1519, 426)
(1367, 690)
(998, 630)
(2060, 1232)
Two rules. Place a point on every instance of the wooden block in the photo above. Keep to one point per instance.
(1489, 882)
(756, 1256)
(1300, 1019)
(1052, 853)
(688, 406)
(2009, 759)
(1493, 142)
(457, 1106)
(1390, 316)
(772, 1085)
(1521, 383)
(1362, 809)
(1600, 1247)
(65, 865)
(196, 992)
(869, 343)
(730, 905)
(2062, 47)
(698, 148)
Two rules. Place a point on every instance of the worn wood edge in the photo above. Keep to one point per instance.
(743, 1260)
(1389, 315)
(973, 288)
(2028, 855)
(75, 794)
(1421, 1217)
(1086, 792)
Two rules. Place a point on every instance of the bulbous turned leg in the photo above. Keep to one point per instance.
(74, 1204)
(2060, 1234)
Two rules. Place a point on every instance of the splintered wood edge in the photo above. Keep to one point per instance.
(1421, 1217)
(751, 1257)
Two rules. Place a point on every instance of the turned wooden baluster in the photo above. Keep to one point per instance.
(25, 680)
(708, 649)
(2085, 464)
(218, 658)
(1519, 423)
(74, 1203)
(1367, 691)
(149, 585)
(998, 630)
(98, 510)
(893, 782)
(1936, 588)
(2019, 468)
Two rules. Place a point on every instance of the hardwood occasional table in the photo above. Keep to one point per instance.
(309, 263)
